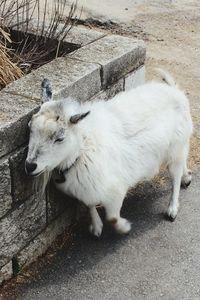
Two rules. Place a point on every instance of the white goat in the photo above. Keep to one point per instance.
(104, 148)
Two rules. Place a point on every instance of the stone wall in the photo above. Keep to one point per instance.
(29, 221)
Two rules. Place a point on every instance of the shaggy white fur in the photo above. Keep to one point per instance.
(104, 148)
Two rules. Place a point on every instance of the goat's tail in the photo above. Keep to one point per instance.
(166, 77)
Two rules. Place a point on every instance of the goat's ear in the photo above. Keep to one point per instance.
(76, 118)
(46, 91)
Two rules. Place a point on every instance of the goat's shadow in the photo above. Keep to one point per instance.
(144, 209)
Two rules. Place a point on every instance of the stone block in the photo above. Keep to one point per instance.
(117, 56)
(40, 244)
(6, 272)
(22, 184)
(21, 226)
(15, 113)
(135, 78)
(81, 35)
(111, 91)
(57, 203)
(5, 187)
(69, 77)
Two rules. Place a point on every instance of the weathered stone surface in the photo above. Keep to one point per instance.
(15, 112)
(57, 203)
(5, 187)
(111, 91)
(116, 54)
(12, 107)
(82, 36)
(69, 77)
(135, 78)
(6, 272)
(22, 185)
(131, 80)
(20, 226)
(40, 244)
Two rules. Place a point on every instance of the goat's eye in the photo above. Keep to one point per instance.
(58, 140)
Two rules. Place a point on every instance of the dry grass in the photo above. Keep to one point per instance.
(50, 28)
(9, 71)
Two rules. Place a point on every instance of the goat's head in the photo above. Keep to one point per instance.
(53, 133)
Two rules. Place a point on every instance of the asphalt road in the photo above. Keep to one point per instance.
(157, 260)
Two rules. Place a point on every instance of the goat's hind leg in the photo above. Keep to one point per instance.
(181, 177)
(176, 172)
(187, 174)
(186, 177)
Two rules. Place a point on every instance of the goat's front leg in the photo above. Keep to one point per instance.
(96, 225)
(120, 224)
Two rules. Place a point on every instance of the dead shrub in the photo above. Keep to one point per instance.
(31, 34)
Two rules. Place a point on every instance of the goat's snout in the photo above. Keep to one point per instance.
(30, 167)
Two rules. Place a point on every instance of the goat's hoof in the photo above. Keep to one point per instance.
(123, 226)
(185, 184)
(169, 218)
(96, 230)
(186, 180)
(171, 214)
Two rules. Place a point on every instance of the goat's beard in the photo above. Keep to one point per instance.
(41, 182)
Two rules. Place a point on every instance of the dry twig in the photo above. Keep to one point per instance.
(8, 70)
